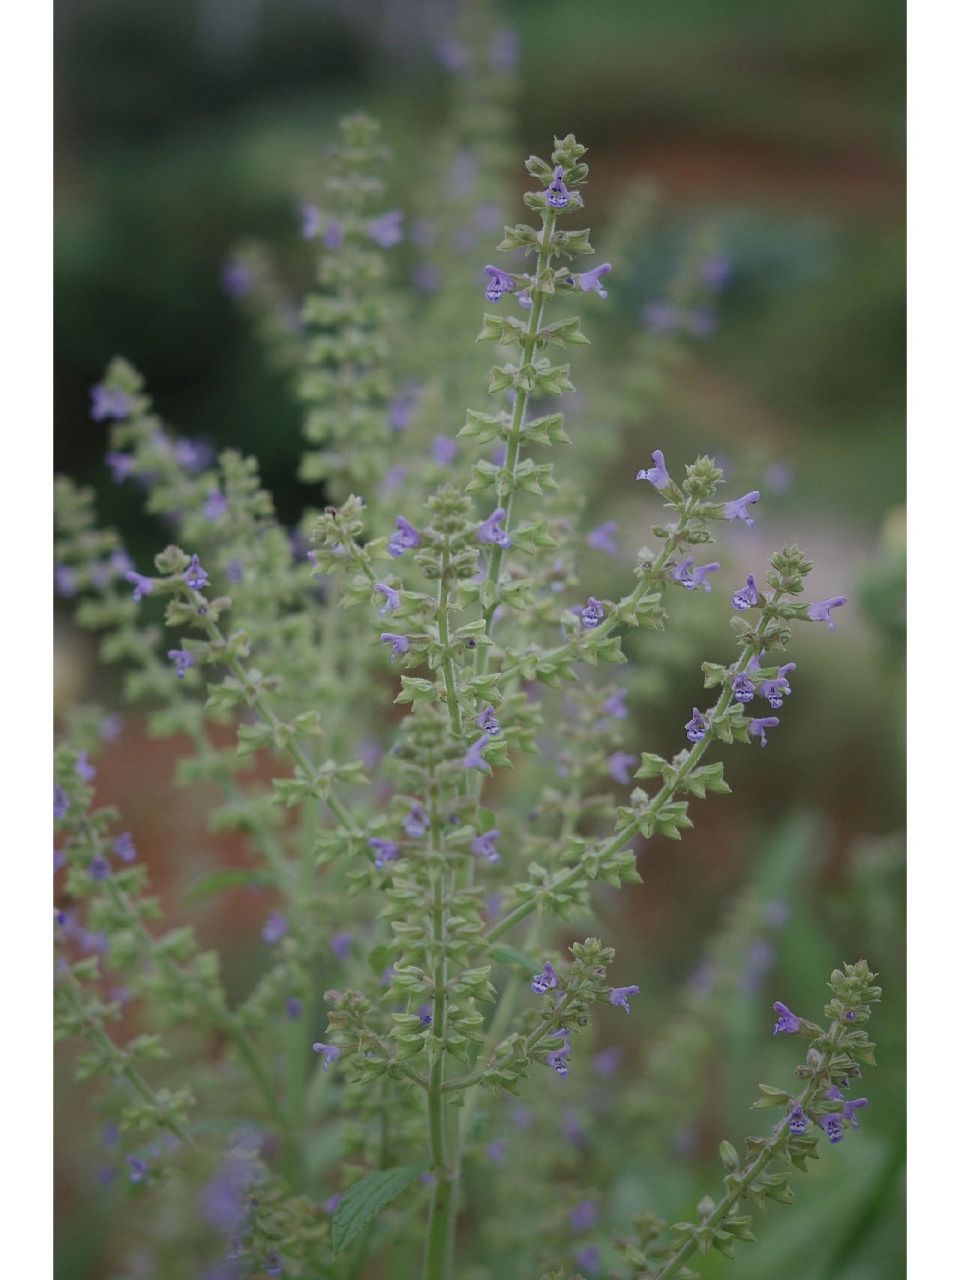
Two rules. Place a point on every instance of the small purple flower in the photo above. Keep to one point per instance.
(558, 197)
(333, 234)
(272, 1264)
(331, 1204)
(294, 1008)
(404, 538)
(487, 722)
(83, 768)
(497, 1150)
(275, 928)
(195, 576)
(589, 281)
(309, 221)
(109, 402)
(452, 55)
(741, 686)
(401, 408)
(500, 282)
(696, 727)
(124, 847)
(851, 1108)
(584, 1216)
(417, 822)
(759, 727)
(474, 757)
(662, 318)
(386, 851)
(787, 1023)
(797, 1120)
(619, 765)
(485, 846)
(591, 614)
(330, 1053)
(716, 271)
(99, 867)
(544, 981)
(524, 299)
(234, 571)
(588, 1259)
(778, 688)
(60, 803)
(340, 945)
(489, 531)
(690, 578)
(236, 278)
(618, 996)
(444, 450)
(657, 475)
(558, 1060)
(120, 464)
(392, 598)
(425, 1014)
(820, 610)
(503, 52)
(616, 704)
(602, 538)
(385, 231)
(399, 644)
(65, 581)
(701, 322)
(183, 659)
(832, 1126)
(215, 506)
(193, 455)
(738, 508)
(747, 597)
(137, 1169)
(606, 1062)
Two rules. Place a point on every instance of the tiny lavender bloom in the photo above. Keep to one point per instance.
(124, 847)
(620, 764)
(136, 1169)
(340, 945)
(385, 230)
(591, 615)
(786, 1022)
(487, 722)
(742, 687)
(500, 282)
(558, 1060)
(272, 1264)
(294, 1008)
(309, 221)
(747, 597)
(832, 1126)
(662, 317)
(584, 1215)
(497, 1150)
(758, 727)
(333, 234)
(215, 506)
(696, 726)
(820, 610)
(485, 846)
(616, 704)
(234, 571)
(120, 464)
(236, 278)
(416, 823)
(444, 450)
(657, 475)
(60, 802)
(330, 1053)
(84, 769)
(141, 586)
(425, 1014)
(65, 580)
(399, 644)
(602, 538)
(605, 1062)
(183, 659)
(778, 688)
(738, 508)
(797, 1120)
(99, 867)
(386, 851)
(851, 1108)
(275, 928)
(589, 281)
(588, 1259)
(392, 598)
(404, 538)
(108, 402)
(490, 531)
(691, 578)
(544, 981)
(618, 996)
(195, 576)
(474, 757)
(558, 197)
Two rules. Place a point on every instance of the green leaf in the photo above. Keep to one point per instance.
(366, 1198)
(225, 878)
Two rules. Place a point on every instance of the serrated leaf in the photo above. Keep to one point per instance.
(364, 1200)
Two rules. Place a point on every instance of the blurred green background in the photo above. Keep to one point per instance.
(187, 125)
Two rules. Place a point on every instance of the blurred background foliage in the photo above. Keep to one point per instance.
(186, 126)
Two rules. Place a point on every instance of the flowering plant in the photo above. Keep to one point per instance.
(338, 1112)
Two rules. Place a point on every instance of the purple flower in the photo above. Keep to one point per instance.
(503, 53)
(392, 598)
(832, 1126)
(65, 580)
(851, 1108)
(661, 317)
(490, 532)
(589, 281)
(797, 1120)
(544, 981)
(331, 1204)
(124, 847)
(215, 506)
(425, 1014)
(657, 475)
(497, 1150)
(820, 610)
(474, 757)
(272, 1264)
(690, 578)
(333, 234)
(778, 688)
(99, 867)
(758, 727)
(399, 644)
(741, 686)
(602, 538)
(747, 597)
(500, 282)
(716, 271)
(234, 571)
(330, 1053)
(193, 455)
(485, 846)
(195, 576)
(120, 464)
(605, 1062)
(275, 928)
(137, 1169)
(696, 727)
(452, 55)
(60, 803)
(738, 508)
(588, 1259)
(294, 1008)
(340, 945)
(701, 322)
(558, 1060)
(109, 402)
(558, 197)
(487, 722)
(620, 764)
(618, 996)
(83, 768)
(404, 538)
(236, 278)
(309, 221)
(787, 1022)
(444, 450)
(386, 851)
(402, 406)
(616, 704)
(583, 1216)
(591, 614)
(385, 231)
(521, 1117)
(416, 823)
(524, 299)
(184, 660)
